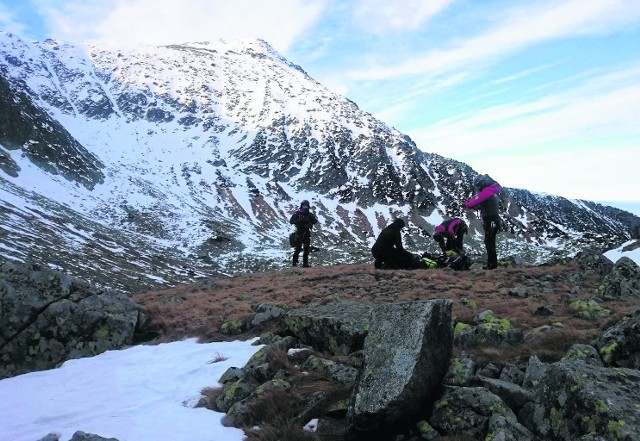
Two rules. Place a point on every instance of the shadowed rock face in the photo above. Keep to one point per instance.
(47, 318)
(42, 139)
(406, 355)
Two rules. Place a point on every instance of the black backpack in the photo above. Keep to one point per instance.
(459, 262)
(294, 239)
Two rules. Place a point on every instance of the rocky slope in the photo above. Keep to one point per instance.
(539, 353)
(138, 167)
(544, 352)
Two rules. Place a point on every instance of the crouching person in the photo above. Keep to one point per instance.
(388, 251)
(449, 235)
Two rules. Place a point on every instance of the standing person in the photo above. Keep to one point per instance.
(388, 249)
(304, 220)
(487, 200)
(449, 235)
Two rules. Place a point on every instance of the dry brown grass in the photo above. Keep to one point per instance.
(189, 311)
(280, 430)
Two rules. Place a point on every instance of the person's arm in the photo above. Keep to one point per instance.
(440, 241)
(294, 219)
(483, 195)
(398, 241)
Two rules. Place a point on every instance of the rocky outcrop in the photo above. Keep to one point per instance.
(402, 393)
(488, 330)
(339, 328)
(47, 318)
(623, 280)
(577, 398)
(619, 346)
(406, 355)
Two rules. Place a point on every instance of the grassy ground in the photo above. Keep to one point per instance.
(198, 310)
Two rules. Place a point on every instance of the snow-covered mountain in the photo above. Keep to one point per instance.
(135, 167)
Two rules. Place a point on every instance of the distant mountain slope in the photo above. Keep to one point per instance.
(199, 152)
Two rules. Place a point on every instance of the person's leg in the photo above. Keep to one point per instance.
(407, 260)
(490, 231)
(458, 243)
(296, 253)
(306, 241)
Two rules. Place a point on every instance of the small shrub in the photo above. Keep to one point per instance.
(273, 404)
(217, 358)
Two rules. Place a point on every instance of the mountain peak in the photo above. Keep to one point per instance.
(191, 157)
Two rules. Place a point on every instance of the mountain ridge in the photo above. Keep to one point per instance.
(202, 150)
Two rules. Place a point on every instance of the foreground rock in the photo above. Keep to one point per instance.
(47, 318)
(406, 355)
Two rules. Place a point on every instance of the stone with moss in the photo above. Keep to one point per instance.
(588, 309)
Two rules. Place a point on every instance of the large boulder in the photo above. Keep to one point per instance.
(577, 398)
(47, 318)
(591, 261)
(406, 356)
(619, 345)
(623, 280)
(338, 328)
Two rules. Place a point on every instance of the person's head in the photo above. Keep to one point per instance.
(398, 224)
(482, 181)
(304, 205)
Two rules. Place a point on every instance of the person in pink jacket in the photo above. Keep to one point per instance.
(489, 204)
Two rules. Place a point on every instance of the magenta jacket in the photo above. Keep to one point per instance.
(487, 199)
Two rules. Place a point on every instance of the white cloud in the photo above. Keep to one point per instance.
(383, 16)
(585, 118)
(9, 23)
(595, 175)
(584, 141)
(279, 22)
(518, 28)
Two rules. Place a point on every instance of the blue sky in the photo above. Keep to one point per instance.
(540, 94)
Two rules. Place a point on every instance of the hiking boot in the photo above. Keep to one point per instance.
(489, 267)
(306, 265)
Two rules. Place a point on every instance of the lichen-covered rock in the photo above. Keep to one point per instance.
(406, 355)
(329, 368)
(588, 309)
(586, 353)
(574, 399)
(426, 431)
(594, 262)
(534, 373)
(620, 344)
(513, 395)
(490, 330)
(460, 372)
(502, 428)
(467, 410)
(512, 374)
(47, 318)
(232, 393)
(338, 328)
(623, 280)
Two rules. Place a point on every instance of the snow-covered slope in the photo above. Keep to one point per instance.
(137, 166)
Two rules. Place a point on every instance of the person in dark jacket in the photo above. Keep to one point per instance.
(449, 235)
(388, 251)
(304, 220)
(487, 201)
